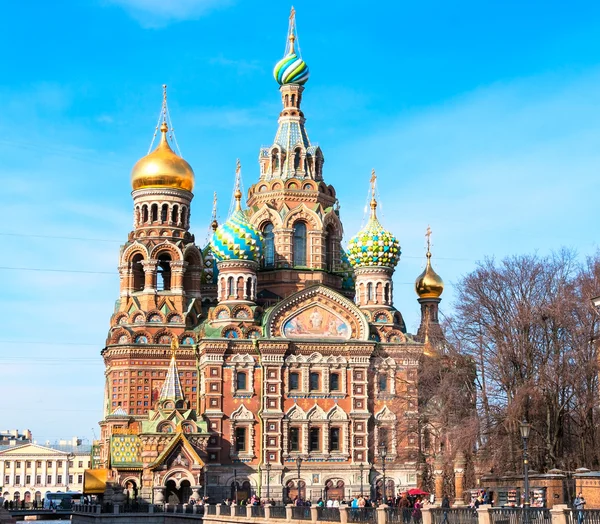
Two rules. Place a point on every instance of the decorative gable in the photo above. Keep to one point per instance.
(317, 313)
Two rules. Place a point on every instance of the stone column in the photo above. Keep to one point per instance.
(439, 478)
(459, 477)
(149, 275)
(177, 271)
(558, 513)
(344, 514)
(427, 517)
(483, 514)
(382, 514)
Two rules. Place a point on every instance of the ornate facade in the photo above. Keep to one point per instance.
(271, 359)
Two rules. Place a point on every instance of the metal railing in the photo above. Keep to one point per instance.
(278, 512)
(520, 516)
(301, 513)
(328, 514)
(454, 516)
(258, 511)
(211, 509)
(583, 516)
(368, 515)
(240, 511)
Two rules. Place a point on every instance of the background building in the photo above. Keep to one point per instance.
(29, 470)
(270, 360)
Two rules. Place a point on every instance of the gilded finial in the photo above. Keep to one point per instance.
(428, 236)
(238, 193)
(214, 223)
(373, 200)
(174, 346)
(292, 36)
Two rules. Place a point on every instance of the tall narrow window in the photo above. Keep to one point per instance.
(296, 157)
(334, 382)
(240, 439)
(294, 439)
(241, 381)
(387, 293)
(383, 382)
(164, 212)
(369, 292)
(231, 287)
(300, 244)
(154, 212)
(144, 214)
(314, 382)
(329, 247)
(334, 439)
(269, 237)
(164, 273)
(137, 272)
(315, 439)
(175, 214)
(294, 381)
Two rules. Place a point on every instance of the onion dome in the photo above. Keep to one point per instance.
(163, 168)
(237, 239)
(291, 69)
(346, 272)
(429, 284)
(373, 245)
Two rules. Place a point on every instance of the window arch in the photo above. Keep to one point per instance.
(275, 159)
(164, 213)
(299, 244)
(231, 287)
(137, 270)
(154, 212)
(296, 158)
(329, 249)
(369, 292)
(163, 282)
(269, 237)
(175, 214)
(144, 213)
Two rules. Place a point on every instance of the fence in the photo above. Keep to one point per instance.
(583, 516)
(520, 516)
(454, 516)
(328, 514)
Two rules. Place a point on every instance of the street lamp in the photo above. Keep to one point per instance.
(525, 428)
(205, 480)
(299, 465)
(383, 454)
(235, 486)
(361, 468)
(268, 468)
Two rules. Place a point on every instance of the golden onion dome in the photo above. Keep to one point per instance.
(162, 168)
(429, 284)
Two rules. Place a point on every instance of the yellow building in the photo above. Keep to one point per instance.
(29, 471)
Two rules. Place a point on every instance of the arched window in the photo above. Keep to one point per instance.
(163, 282)
(164, 213)
(145, 214)
(137, 216)
(154, 212)
(175, 214)
(184, 216)
(249, 289)
(231, 287)
(369, 292)
(137, 270)
(275, 159)
(329, 247)
(296, 158)
(299, 244)
(386, 292)
(269, 237)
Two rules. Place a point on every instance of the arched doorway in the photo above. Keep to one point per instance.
(334, 490)
(178, 492)
(131, 491)
(16, 496)
(295, 488)
(241, 490)
(389, 492)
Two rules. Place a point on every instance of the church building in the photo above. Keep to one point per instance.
(272, 360)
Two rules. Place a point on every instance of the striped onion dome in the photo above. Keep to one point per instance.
(291, 69)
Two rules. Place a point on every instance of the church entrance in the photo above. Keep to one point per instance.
(334, 490)
(131, 491)
(178, 495)
(295, 489)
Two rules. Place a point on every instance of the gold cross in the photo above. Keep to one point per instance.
(428, 235)
(292, 13)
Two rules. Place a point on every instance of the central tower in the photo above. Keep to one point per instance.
(293, 208)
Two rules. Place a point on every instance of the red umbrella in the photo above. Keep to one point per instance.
(417, 491)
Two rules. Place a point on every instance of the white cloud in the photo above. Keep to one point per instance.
(157, 13)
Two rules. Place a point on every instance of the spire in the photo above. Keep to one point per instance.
(237, 194)
(171, 389)
(214, 223)
(291, 69)
(373, 200)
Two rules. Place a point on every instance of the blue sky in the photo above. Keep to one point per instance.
(481, 119)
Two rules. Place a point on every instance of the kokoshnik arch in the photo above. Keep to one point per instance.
(270, 344)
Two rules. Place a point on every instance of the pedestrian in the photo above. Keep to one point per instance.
(404, 507)
(445, 508)
(579, 506)
(416, 512)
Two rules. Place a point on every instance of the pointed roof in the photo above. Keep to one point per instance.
(171, 389)
(185, 444)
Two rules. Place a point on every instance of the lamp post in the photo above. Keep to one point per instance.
(299, 465)
(235, 486)
(383, 454)
(361, 468)
(525, 428)
(205, 480)
(268, 468)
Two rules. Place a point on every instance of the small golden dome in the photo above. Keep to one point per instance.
(429, 284)
(162, 168)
